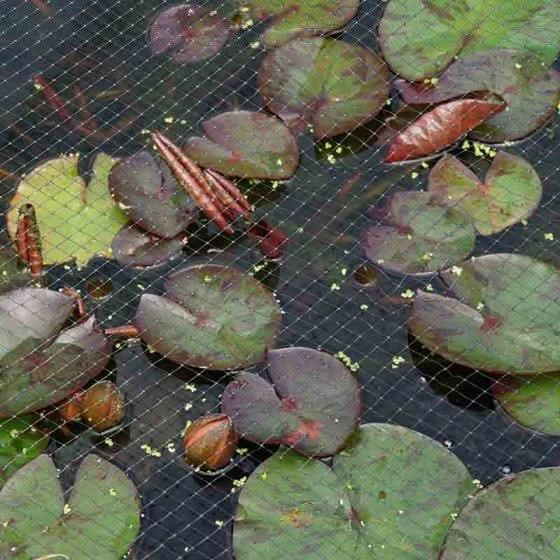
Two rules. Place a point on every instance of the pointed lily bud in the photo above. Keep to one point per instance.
(103, 406)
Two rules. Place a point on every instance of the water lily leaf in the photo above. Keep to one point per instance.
(439, 128)
(506, 319)
(530, 90)
(246, 144)
(422, 232)
(76, 222)
(514, 518)
(330, 84)
(510, 193)
(300, 19)
(99, 522)
(419, 39)
(312, 402)
(532, 402)
(391, 490)
(189, 33)
(134, 247)
(150, 196)
(211, 316)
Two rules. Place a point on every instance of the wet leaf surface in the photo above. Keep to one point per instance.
(506, 318)
(212, 317)
(510, 193)
(392, 489)
(100, 520)
(421, 233)
(331, 85)
(439, 128)
(246, 144)
(419, 39)
(311, 402)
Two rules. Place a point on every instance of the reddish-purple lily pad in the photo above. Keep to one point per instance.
(510, 193)
(246, 144)
(311, 403)
(291, 19)
(530, 90)
(506, 318)
(212, 317)
(189, 33)
(421, 232)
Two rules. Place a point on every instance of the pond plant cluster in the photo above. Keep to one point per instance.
(334, 487)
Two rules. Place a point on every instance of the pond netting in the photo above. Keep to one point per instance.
(278, 280)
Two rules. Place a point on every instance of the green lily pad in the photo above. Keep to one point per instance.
(20, 443)
(391, 494)
(530, 90)
(510, 193)
(76, 223)
(531, 402)
(212, 317)
(291, 19)
(99, 521)
(246, 144)
(507, 317)
(515, 518)
(312, 402)
(419, 39)
(421, 233)
(330, 84)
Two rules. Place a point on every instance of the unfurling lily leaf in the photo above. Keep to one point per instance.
(300, 19)
(211, 317)
(312, 402)
(99, 521)
(39, 364)
(330, 84)
(507, 317)
(530, 91)
(510, 193)
(188, 32)
(513, 518)
(390, 494)
(76, 222)
(439, 128)
(246, 144)
(419, 39)
(422, 232)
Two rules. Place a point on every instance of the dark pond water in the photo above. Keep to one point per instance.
(100, 45)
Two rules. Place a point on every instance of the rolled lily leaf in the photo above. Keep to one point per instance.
(530, 90)
(300, 19)
(246, 144)
(513, 518)
(439, 128)
(420, 39)
(510, 193)
(99, 521)
(211, 317)
(189, 33)
(422, 233)
(312, 402)
(392, 490)
(506, 319)
(150, 196)
(76, 222)
(330, 84)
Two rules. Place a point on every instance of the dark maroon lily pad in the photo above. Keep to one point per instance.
(246, 144)
(311, 403)
(150, 196)
(330, 84)
(211, 317)
(189, 33)
(530, 90)
(421, 233)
